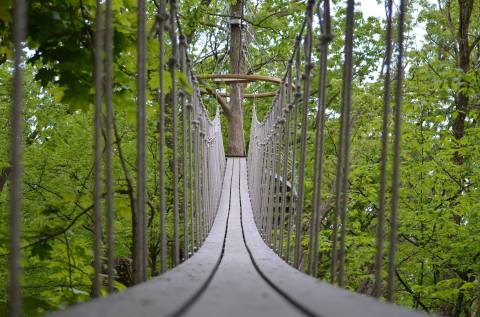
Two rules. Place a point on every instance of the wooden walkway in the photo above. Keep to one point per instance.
(235, 274)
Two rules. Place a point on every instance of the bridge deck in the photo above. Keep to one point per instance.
(235, 274)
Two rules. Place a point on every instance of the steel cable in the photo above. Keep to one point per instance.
(183, 106)
(396, 152)
(173, 102)
(344, 150)
(16, 155)
(141, 238)
(325, 39)
(162, 18)
(307, 45)
(97, 209)
(109, 140)
(383, 165)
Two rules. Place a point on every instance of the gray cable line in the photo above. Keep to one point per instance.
(109, 139)
(162, 18)
(383, 165)
(16, 155)
(183, 105)
(325, 39)
(141, 246)
(97, 210)
(307, 45)
(396, 152)
(173, 101)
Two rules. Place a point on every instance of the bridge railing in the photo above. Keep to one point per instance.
(277, 158)
(197, 164)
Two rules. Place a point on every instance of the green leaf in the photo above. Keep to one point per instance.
(42, 250)
(35, 305)
(154, 82)
(184, 84)
(5, 14)
(119, 286)
(50, 210)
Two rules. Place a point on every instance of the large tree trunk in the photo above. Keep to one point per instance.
(458, 121)
(463, 63)
(462, 102)
(234, 115)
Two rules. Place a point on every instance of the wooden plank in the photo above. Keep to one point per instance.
(168, 293)
(317, 298)
(237, 289)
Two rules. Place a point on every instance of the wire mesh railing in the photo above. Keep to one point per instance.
(197, 162)
(278, 151)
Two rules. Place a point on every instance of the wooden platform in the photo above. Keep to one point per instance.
(235, 274)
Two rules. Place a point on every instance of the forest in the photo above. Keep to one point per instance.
(438, 252)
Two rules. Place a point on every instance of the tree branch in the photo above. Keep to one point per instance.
(416, 297)
(220, 100)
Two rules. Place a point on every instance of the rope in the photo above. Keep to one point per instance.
(276, 175)
(183, 105)
(396, 151)
(162, 18)
(344, 149)
(285, 121)
(307, 46)
(383, 165)
(271, 192)
(97, 210)
(109, 140)
(190, 176)
(140, 248)
(325, 39)
(173, 100)
(16, 152)
(294, 145)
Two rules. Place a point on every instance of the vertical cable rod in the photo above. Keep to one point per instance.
(109, 140)
(275, 174)
(173, 101)
(325, 39)
(383, 160)
(183, 105)
(271, 192)
(162, 18)
(196, 127)
(286, 139)
(307, 45)
(346, 107)
(396, 152)
(97, 209)
(140, 233)
(16, 147)
(190, 176)
(296, 102)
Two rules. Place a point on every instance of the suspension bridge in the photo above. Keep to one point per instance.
(241, 218)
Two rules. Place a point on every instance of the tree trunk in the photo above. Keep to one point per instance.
(463, 62)
(461, 97)
(234, 115)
